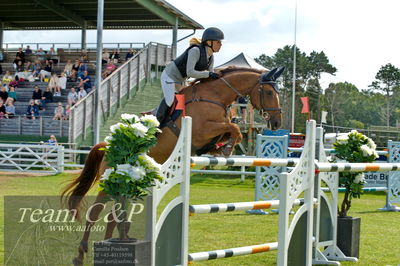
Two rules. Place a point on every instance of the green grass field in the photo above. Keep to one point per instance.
(380, 231)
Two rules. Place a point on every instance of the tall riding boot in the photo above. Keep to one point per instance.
(162, 111)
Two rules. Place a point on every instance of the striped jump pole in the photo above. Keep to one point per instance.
(226, 253)
(222, 161)
(239, 206)
(357, 167)
(365, 189)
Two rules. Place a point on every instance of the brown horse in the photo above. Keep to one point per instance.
(207, 102)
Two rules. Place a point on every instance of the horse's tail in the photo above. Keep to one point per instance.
(74, 191)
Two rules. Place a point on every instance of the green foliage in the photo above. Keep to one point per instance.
(132, 172)
(353, 147)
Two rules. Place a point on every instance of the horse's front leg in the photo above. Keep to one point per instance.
(95, 210)
(212, 129)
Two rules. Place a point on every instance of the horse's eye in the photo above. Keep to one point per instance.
(269, 93)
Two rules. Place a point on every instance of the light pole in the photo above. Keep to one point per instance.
(294, 67)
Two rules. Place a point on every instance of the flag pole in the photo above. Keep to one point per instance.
(294, 67)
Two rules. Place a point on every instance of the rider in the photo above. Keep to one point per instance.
(196, 62)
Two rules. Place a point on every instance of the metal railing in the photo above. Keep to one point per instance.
(124, 82)
(73, 47)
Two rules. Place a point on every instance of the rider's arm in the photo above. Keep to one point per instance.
(193, 58)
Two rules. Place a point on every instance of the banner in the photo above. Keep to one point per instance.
(306, 107)
(323, 117)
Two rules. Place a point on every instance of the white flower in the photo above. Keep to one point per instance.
(359, 178)
(150, 162)
(106, 174)
(130, 117)
(371, 144)
(138, 173)
(140, 129)
(366, 150)
(150, 120)
(108, 139)
(354, 132)
(113, 128)
(375, 154)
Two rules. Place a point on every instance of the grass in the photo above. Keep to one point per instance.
(379, 239)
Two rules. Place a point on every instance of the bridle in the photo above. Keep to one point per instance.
(264, 112)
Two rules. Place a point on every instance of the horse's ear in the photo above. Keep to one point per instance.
(278, 73)
(268, 76)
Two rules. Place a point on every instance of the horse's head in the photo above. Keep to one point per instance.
(265, 97)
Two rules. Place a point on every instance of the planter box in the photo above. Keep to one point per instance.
(348, 235)
(120, 253)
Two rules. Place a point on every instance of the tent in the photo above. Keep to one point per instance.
(242, 60)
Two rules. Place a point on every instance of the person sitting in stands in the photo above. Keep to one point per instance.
(84, 56)
(12, 94)
(16, 62)
(67, 112)
(2, 109)
(37, 67)
(47, 97)
(129, 54)
(82, 69)
(28, 68)
(62, 84)
(105, 57)
(20, 54)
(32, 111)
(10, 109)
(7, 78)
(68, 68)
(53, 83)
(19, 71)
(75, 68)
(86, 82)
(109, 69)
(37, 93)
(58, 112)
(52, 140)
(3, 94)
(2, 55)
(28, 50)
(82, 93)
(46, 71)
(41, 55)
(72, 97)
(114, 56)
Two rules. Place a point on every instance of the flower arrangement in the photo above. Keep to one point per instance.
(353, 147)
(132, 171)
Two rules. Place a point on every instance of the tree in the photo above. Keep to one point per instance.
(387, 80)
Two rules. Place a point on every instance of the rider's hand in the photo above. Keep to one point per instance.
(213, 75)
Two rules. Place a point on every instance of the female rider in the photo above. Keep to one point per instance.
(196, 62)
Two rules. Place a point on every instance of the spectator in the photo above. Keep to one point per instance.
(105, 57)
(62, 84)
(2, 55)
(7, 78)
(10, 109)
(19, 71)
(2, 109)
(82, 93)
(37, 93)
(3, 94)
(53, 83)
(130, 54)
(47, 97)
(1, 70)
(28, 50)
(67, 112)
(72, 97)
(46, 71)
(114, 56)
(52, 140)
(20, 54)
(12, 94)
(16, 62)
(75, 68)
(41, 55)
(84, 56)
(53, 55)
(109, 69)
(81, 70)
(37, 67)
(58, 112)
(32, 111)
(86, 82)
(68, 68)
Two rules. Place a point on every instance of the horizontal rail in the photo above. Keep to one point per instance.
(239, 206)
(222, 161)
(222, 172)
(365, 189)
(225, 253)
(357, 167)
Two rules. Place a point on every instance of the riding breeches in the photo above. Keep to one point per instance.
(169, 87)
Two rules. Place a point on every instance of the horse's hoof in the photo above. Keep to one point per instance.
(227, 150)
(77, 262)
(84, 246)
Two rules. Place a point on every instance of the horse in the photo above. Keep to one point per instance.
(207, 101)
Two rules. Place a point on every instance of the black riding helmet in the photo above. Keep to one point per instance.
(212, 34)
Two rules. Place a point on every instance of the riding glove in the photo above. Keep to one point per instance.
(213, 75)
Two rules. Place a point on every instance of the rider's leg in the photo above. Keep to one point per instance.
(168, 87)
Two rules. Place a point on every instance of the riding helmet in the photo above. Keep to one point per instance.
(212, 34)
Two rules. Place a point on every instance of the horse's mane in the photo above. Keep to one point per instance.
(228, 70)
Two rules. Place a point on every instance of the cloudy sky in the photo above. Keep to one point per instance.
(358, 36)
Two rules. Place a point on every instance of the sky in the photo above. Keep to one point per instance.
(358, 36)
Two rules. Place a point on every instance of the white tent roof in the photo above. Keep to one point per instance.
(242, 60)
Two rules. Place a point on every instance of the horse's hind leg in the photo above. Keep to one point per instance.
(95, 210)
